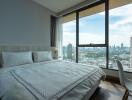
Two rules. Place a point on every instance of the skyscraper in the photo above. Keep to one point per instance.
(69, 51)
(122, 45)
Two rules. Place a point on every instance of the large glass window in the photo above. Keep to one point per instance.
(69, 37)
(96, 42)
(92, 46)
(92, 25)
(120, 33)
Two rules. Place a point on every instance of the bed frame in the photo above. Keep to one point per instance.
(16, 48)
(91, 92)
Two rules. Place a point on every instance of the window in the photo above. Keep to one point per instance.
(69, 37)
(103, 34)
(92, 46)
(92, 25)
(120, 33)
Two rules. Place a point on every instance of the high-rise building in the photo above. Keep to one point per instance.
(122, 45)
(64, 52)
(69, 51)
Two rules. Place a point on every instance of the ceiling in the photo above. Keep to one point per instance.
(58, 5)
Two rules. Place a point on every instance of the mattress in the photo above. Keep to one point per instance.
(51, 80)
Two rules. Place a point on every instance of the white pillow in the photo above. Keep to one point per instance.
(16, 58)
(40, 56)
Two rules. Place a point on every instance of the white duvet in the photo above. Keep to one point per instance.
(53, 80)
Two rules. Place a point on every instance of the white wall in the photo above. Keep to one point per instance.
(24, 22)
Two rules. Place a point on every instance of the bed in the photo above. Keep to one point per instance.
(49, 80)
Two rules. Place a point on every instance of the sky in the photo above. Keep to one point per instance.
(92, 28)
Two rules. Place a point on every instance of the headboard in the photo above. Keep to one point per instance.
(19, 48)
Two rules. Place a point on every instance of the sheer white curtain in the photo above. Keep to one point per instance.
(59, 36)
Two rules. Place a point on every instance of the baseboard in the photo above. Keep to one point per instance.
(112, 79)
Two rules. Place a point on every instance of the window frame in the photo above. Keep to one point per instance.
(106, 3)
(106, 44)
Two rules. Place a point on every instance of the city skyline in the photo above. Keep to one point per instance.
(97, 56)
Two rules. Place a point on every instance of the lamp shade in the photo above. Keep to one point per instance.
(54, 52)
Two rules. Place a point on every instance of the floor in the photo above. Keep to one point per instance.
(130, 97)
(109, 91)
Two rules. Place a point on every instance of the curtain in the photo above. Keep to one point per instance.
(131, 52)
(59, 36)
(53, 31)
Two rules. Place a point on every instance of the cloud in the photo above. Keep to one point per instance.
(120, 11)
(69, 26)
(120, 29)
(125, 24)
(117, 39)
(69, 37)
(85, 38)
